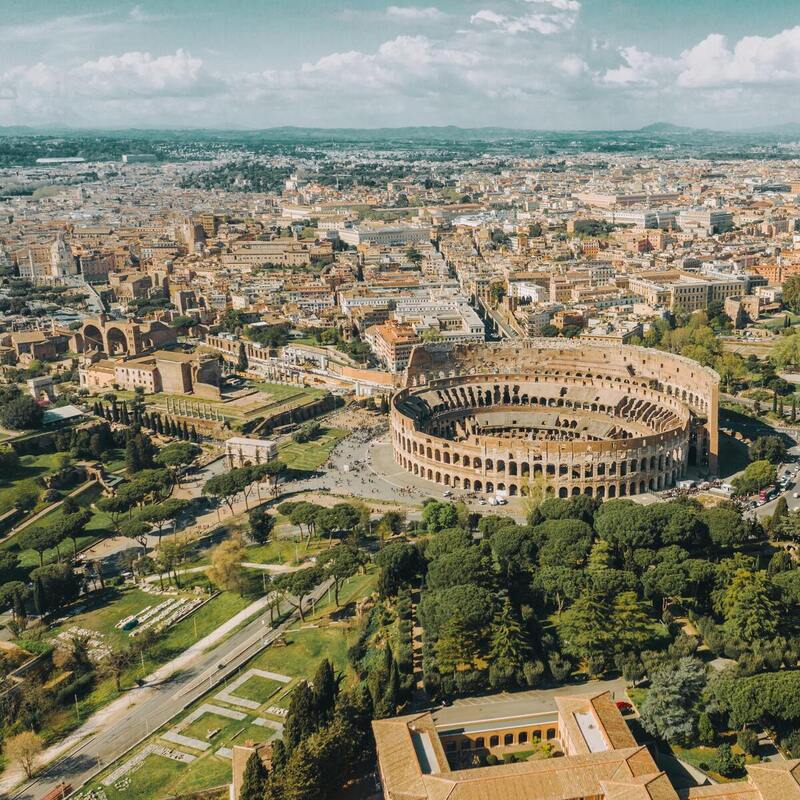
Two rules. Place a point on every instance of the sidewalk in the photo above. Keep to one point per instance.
(273, 569)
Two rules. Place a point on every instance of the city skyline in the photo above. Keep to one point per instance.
(536, 64)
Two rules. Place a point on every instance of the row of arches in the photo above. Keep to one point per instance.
(603, 488)
(510, 467)
(507, 739)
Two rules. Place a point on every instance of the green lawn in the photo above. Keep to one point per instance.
(30, 468)
(778, 322)
(160, 776)
(257, 689)
(309, 456)
(98, 527)
(279, 392)
(283, 551)
(202, 726)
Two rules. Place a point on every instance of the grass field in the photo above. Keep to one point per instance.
(309, 456)
(283, 551)
(202, 726)
(30, 468)
(161, 776)
(257, 689)
(279, 392)
(98, 527)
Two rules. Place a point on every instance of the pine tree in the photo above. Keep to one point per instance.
(599, 559)
(632, 622)
(508, 648)
(255, 778)
(586, 627)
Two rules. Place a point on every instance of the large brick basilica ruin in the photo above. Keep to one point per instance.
(582, 418)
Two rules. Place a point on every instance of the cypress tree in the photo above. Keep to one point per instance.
(124, 415)
(255, 778)
(302, 720)
(325, 689)
(774, 402)
(193, 433)
(39, 598)
(780, 408)
(794, 408)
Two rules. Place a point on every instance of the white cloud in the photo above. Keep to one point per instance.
(639, 68)
(713, 64)
(416, 13)
(129, 77)
(561, 5)
(573, 65)
(560, 17)
(753, 60)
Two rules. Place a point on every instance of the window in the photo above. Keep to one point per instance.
(494, 741)
(551, 733)
(523, 737)
(508, 738)
(479, 742)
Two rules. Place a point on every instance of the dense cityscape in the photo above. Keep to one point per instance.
(407, 461)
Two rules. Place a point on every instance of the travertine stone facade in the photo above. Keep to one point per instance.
(594, 419)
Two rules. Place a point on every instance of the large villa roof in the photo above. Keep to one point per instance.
(605, 763)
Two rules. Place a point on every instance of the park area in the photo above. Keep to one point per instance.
(193, 751)
(310, 456)
(98, 527)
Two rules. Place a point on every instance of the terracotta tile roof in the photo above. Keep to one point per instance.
(776, 780)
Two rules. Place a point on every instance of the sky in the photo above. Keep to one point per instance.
(541, 64)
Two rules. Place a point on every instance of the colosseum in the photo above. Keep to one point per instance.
(594, 419)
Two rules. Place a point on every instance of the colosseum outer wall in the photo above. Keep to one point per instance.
(482, 417)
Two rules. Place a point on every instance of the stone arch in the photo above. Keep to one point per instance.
(93, 338)
(117, 342)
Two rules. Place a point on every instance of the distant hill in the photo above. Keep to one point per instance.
(666, 127)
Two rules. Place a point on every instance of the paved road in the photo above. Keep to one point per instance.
(792, 488)
(163, 703)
